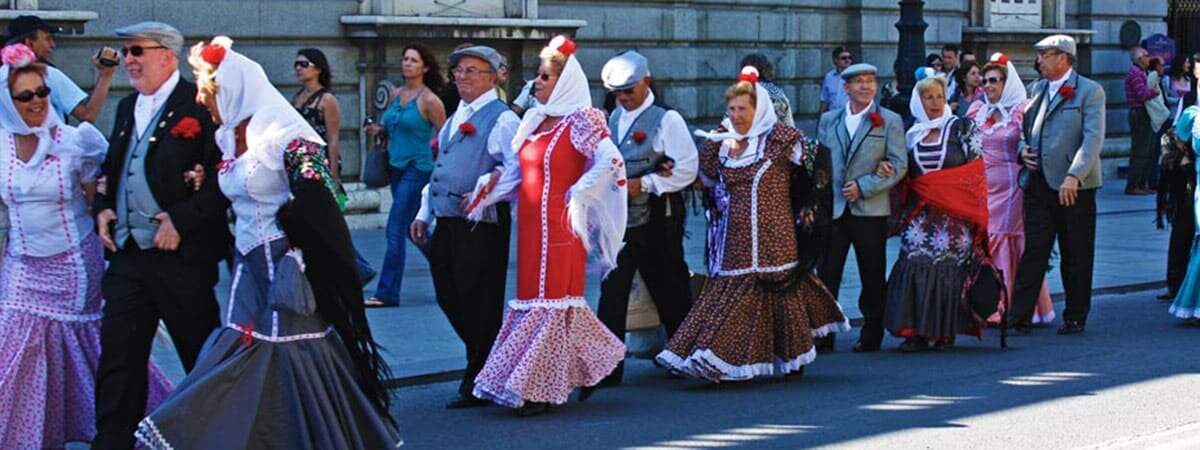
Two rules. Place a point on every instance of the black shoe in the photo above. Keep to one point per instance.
(1020, 329)
(463, 401)
(824, 345)
(1166, 297)
(586, 393)
(1071, 327)
(530, 409)
(861, 347)
(913, 345)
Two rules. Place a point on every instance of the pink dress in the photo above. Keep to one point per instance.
(551, 342)
(1006, 223)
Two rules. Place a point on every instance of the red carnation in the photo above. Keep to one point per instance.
(433, 145)
(1066, 92)
(1000, 58)
(749, 74)
(213, 54)
(564, 45)
(639, 136)
(466, 129)
(186, 128)
(621, 182)
(876, 119)
(991, 121)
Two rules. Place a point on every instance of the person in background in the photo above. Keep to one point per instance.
(1142, 136)
(967, 58)
(833, 87)
(1187, 298)
(414, 113)
(65, 95)
(1180, 84)
(766, 70)
(934, 60)
(968, 92)
(318, 105)
(950, 68)
(1176, 203)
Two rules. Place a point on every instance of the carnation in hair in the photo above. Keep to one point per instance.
(17, 56)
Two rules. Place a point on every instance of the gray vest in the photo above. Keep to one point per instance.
(461, 161)
(640, 157)
(136, 206)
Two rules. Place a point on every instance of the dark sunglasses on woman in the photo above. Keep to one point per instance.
(992, 80)
(302, 64)
(26, 96)
(137, 50)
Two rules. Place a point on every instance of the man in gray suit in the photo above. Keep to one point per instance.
(859, 136)
(1064, 132)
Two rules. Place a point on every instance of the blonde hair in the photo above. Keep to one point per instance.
(553, 59)
(928, 83)
(205, 73)
(742, 88)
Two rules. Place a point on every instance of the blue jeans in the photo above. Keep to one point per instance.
(406, 200)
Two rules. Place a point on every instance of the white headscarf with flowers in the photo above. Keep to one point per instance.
(764, 112)
(18, 56)
(244, 91)
(1013, 95)
(923, 124)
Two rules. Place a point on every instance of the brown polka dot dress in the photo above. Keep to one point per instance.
(756, 316)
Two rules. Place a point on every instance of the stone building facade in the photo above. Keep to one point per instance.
(693, 45)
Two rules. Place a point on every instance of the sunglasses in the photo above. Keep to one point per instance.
(626, 91)
(302, 64)
(137, 50)
(992, 80)
(26, 96)
(845, 58)
(545, 76)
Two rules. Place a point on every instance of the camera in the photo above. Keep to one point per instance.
(107, 57)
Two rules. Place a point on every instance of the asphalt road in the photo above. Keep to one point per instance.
(1131, 381)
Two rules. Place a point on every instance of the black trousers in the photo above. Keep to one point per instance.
(868, 235)
(1179, 252)
(656, 250)
(1142, 149)
(141, 287)
(1075, 228)
(469, 265)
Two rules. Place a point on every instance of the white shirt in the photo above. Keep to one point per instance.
(146, 105)
(1055, 85)
(854, 119)
(499, 145)
(672, 139)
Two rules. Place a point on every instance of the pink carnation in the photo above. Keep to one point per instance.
(17, 56)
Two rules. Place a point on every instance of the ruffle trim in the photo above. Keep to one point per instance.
(147, 433)
(832, 327)
(549, 303)
(1184, 313)
(704, 363)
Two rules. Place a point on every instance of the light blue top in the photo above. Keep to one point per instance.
(833, 90)
(64, 94)
(408, 136)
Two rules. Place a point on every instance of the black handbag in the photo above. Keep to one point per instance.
(375, 167)
(984, 296)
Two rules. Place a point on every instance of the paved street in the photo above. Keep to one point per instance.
(1129, 382)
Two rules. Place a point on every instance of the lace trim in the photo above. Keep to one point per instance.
(280, 339)
(754, 212)
(51, 314)
(832, 327)
(756, 269)
(588, 128)
(549, 303)
(149, 436)
(704, 364)
(1184, 313)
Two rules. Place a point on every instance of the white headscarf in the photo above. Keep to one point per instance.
(18, 55)
(1012, 96)
(571, 93)
(764, 112)
(245, 92)
(923, 124)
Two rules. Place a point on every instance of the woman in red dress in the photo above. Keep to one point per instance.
(572, 199)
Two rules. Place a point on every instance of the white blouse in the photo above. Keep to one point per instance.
(47, 207)
(257, 186)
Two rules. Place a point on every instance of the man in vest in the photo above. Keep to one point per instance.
(468, 258)
(660, 161)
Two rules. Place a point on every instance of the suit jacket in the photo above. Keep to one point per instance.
(1074, 133)
(198, 216)
(857, 157)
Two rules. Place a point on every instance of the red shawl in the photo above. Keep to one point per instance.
(960, 192)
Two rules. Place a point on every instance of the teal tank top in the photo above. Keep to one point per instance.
(408, 136)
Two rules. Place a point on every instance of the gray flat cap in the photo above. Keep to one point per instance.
(624, 70)
(858, 69)
(493, 57)
(1060, 42)
(165, 35)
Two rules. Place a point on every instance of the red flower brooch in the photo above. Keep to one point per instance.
(1066, 92)
(466, 129)
(639, 136)
(876, 119)
(187, 128)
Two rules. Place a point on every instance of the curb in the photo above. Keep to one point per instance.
(451, 375)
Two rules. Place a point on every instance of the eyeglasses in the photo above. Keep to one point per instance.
(302, 64)
(1047, 52)
(137, 50)
(468, 71)
(992, 80)
(545, 76)
(26, 96)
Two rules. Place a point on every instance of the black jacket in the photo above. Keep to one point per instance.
(199, 216)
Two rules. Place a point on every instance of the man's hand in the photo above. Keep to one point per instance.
(194, 177)
(417, 231)
(104, 221)
(634, 186)
(885, 169)
(808, 215)
(107, 53)
(666, 168)
(851, 191)
(166, 238)
(483, 192)
(1069, 191)
(1029, 158)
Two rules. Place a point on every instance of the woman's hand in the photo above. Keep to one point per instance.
(372, 129)
(885, 169)
(194, 177)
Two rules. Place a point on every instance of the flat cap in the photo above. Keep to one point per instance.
(858, 69)
(165, 35)
(1060, 42)
(624, 70)
(493, 57)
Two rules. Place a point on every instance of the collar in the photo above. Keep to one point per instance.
(480, 102)
(859, 114)
(166, 89)
(638, 111)
(1055, 84)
